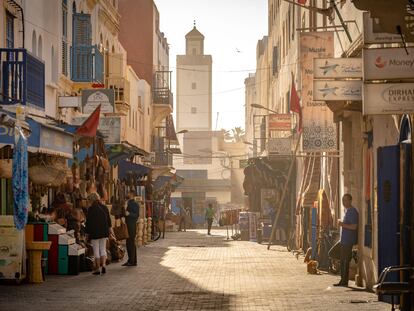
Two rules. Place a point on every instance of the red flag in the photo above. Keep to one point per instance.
(90, 126)
(295, 105)
(303, 2)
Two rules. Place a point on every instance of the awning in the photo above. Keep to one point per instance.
(174, 179)
(122, 151)
(126, 168)
(43, 138)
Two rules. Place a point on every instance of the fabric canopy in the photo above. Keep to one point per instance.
(126, 168)
(44, 138)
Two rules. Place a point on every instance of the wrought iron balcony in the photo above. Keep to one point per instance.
(86, 62)
(162, 158)
(162, 88)
(22, 78)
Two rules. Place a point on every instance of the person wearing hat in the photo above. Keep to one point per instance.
(98, 225)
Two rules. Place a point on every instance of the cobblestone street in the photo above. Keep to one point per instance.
(191, 271)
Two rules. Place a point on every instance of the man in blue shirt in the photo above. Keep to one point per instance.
(349, 237)
(132, 214)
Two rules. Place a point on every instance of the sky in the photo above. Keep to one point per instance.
(231, 29)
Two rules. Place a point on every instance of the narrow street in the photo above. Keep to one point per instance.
(191, 271)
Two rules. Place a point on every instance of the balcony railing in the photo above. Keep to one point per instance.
(162, 97)
(86, 64)
(162, 158)
(162, 88)
(22, 78)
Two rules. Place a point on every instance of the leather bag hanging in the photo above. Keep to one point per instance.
(121, 230)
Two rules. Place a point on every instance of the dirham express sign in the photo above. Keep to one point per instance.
(388, 98)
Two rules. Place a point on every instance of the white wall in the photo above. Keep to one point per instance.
(198, 98)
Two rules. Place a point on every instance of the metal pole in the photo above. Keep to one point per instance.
(341, 20)
(272, 235)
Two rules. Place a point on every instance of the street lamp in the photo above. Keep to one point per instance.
(182, 132)
(262, 107)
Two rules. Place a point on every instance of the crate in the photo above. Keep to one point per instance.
(63, 260)
(53, 254)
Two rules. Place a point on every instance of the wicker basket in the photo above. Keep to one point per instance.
(6, 168)
(47, 175)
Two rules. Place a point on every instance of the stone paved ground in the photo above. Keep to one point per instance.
(190, 271)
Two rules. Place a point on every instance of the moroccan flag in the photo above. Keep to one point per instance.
(302, 2)
(90, 126)
(295, 105)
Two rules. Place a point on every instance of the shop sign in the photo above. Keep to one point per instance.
(91, 99)
(389, 63)
(279, 145)
(373, 33)
(329, 90)
(280, 122)
(56, 142)
(337, 68)
(109, 127)
(388, 98)
(69, 101)
(317, 118)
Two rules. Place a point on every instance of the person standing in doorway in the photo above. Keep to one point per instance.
(349, 237)
(132, 215)
(98, 225)
(209, 217)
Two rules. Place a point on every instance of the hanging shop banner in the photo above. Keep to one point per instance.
(109, 127)
(373, 33)
(337, 90)
(280, 122)
(337, 68)
(279, 145)
(93, 98)
(389, 63)
(57, 142)
(319, 131)
(388, 98)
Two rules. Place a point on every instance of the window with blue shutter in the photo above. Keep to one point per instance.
(64, 37)
(82, 29)
(86, 60)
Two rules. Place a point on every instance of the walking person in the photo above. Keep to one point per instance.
(209, 217)
(98, 225)
(183, 219)
(132, 215)
(349, 237)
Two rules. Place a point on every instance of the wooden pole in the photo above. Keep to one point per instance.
(292, 162)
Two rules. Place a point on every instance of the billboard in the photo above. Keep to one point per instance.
(319, 131)
(109, 127)
(388, 63)
(388, 98)
(280, 122)
(337, 68)
(337, 90)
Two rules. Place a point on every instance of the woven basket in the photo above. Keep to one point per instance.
(6, 168)
(47, 175)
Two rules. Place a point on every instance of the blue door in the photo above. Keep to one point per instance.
(388, 168)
